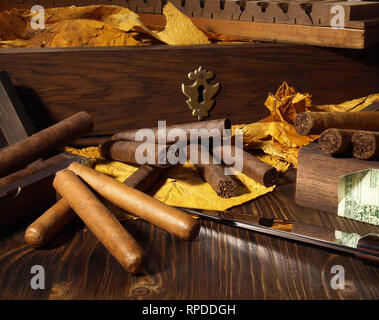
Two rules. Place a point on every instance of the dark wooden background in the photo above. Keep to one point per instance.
(134, 87)
(222, 263)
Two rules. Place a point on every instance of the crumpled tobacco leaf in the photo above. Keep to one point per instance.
(276, 134)
(179, 29)
(182, 185)
(97, 25)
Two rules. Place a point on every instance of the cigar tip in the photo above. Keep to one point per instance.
(303, 123)
(138, 263)
(193, 229)
(271, 178)
(34, 236)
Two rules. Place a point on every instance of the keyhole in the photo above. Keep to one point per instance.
(201, 90)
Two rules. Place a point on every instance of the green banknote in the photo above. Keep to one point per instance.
(358, 196)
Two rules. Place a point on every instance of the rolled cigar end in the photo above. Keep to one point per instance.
(365, 145)
(227, 188)
(100, 221)
(330, 141)
(270, 177)
(41, 231)
(190, 229)
(35, 235)
(303, 123)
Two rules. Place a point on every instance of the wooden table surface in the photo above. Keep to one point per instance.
(222, 263)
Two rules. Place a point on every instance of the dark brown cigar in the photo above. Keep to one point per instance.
(100, 221)
(366, 145)
(219, 124)
(126, 151)
(214, 173)
(307, 123)
(145, 177)
(336, 141)
(254, 168)
(139, 203)
(30, 149)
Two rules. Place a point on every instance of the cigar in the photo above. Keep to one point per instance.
(139, 203)
(125, 151)
(41, 231)
(307, 123)
(254, 168)
(213, 173)
(219, 124)
(21, 153)
(31, 169)
(49, 224)
(145, 177)
(100, 221)
(336, 141)
(366, 145)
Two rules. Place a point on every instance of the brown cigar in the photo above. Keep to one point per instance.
(139, 203)
(48, 225)
(100, 221)
(336, 141)
(219, 124)
(41, 231)
(366, 145)
(145, 177)
(213, 173)
(30, 149)
(254, 168)
(307, 123)
(125, 151)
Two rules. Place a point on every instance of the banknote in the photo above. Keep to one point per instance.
(358, 196)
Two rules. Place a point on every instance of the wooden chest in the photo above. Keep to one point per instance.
(131, 87)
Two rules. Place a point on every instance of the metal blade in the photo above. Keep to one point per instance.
(306, 233)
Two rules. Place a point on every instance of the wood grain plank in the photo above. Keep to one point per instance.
(129, 88)
(222, 263)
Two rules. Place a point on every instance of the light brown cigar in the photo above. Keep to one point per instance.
(30, 149)
(366, 145)
(41, 231)
(219, 124)
(336, 141)
(307, 123)
(125, 151)
(48, 225)
(139, 203)
(254, 168)
(100, 221)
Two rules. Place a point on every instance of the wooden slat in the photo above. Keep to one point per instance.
(274, 32)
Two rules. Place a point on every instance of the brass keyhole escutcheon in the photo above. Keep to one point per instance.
(200, 94)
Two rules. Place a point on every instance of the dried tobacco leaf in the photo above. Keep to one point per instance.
(179, 29)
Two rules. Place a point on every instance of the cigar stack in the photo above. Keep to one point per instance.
(122, 147)
(354, 133)
(88, 194)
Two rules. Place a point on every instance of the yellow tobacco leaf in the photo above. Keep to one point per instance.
(18, 43)
(82, 33)
(12, 25)
(179, 29)
(127, 22)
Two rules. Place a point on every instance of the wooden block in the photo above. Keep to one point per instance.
(317, 177)
(15, 123)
